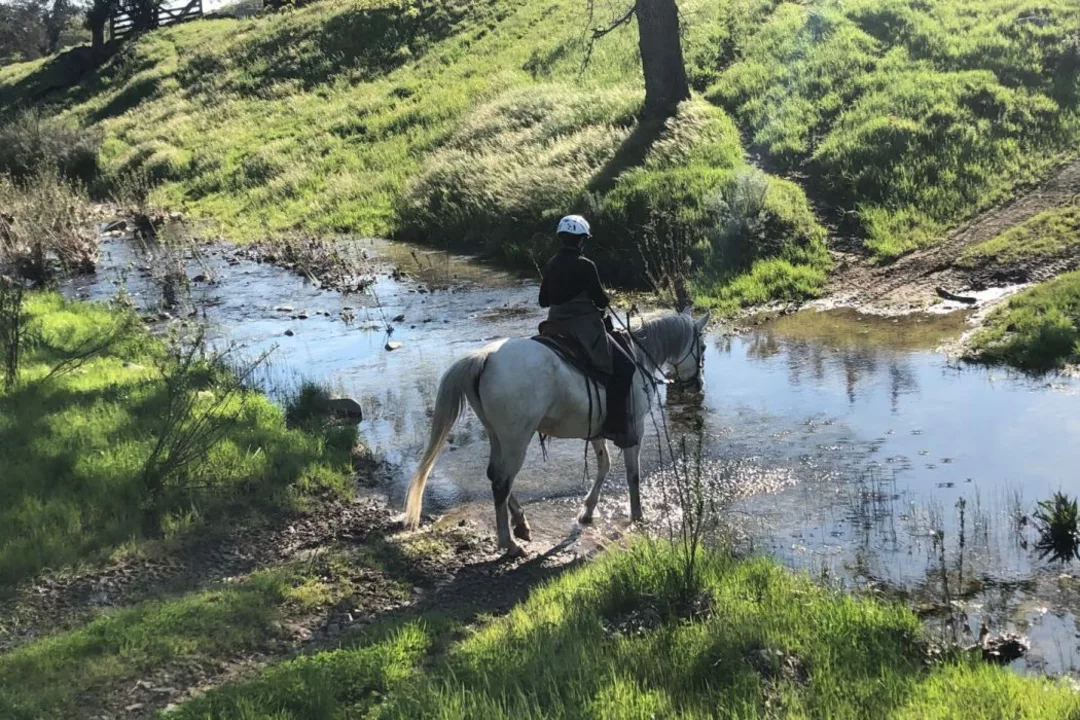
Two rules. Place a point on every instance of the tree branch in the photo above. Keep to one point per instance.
(597, 33)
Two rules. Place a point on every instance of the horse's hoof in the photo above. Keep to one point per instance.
(523, 532)
(514, 551)
(584, 518)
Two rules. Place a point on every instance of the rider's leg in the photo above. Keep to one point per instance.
(618, 395)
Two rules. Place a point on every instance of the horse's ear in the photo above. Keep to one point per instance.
(703, 321)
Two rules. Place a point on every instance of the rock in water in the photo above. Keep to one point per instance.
(345, 408)
(399, 318)
(393, 345)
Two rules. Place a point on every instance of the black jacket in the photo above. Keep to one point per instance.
(569, 273)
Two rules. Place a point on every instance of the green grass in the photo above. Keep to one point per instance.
(54, 677)
(1049, 235)
(1038, 330)
(772, 644)
(72, 449)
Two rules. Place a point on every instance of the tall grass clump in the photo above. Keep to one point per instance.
(514, 167)
(45, 227)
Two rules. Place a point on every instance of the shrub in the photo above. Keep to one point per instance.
(44, 228)
(30, 145)
(514, 167)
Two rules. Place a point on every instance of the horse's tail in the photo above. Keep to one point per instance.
(458, 383)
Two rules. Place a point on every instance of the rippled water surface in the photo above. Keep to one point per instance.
(843, 444)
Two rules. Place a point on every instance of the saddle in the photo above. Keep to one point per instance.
(567, 346)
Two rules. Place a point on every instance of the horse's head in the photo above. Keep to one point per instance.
(688, 366)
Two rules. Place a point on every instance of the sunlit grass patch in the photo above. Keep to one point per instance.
(1037, 330)
(1050, 234)
(74, 448)
(768, 642)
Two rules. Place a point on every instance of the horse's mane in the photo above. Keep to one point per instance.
(661, 335)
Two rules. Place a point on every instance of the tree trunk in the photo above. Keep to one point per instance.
(661, 57)
(97, 32)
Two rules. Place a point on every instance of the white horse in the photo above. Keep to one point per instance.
(518, 387)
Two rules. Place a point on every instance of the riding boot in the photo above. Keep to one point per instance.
(618, 424)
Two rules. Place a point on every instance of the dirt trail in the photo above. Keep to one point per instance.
(911, 282)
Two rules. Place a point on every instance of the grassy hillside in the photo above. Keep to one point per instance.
(910, 113)
(1050, 235)
(475, 123)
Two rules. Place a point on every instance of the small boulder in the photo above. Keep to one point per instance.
(284, 308)
(393, 345)
(399, 318)
(345, 408)
(289, 333)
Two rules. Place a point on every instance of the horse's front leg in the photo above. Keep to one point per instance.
(633, 479)
(603, 464)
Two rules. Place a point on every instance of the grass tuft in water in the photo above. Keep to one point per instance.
(1058, 523)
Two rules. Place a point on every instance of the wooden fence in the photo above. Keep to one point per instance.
(122, 24)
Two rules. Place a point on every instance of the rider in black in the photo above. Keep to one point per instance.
(571, 289)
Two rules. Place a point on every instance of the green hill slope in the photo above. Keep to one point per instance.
(475, 123)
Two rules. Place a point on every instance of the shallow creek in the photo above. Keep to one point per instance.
(843, 444)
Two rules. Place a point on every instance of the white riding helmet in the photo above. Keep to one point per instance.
(575, 225)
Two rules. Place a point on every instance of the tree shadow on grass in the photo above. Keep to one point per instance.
(631, 154)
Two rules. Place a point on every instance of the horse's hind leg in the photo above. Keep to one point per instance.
(603, 464)
(522, 530)
(507, 458)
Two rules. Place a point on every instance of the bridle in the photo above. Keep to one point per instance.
(694, 351)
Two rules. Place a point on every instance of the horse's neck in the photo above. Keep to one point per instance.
(654, 355)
